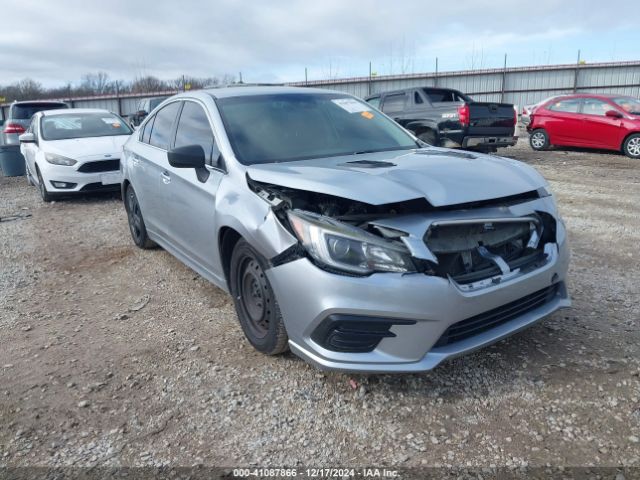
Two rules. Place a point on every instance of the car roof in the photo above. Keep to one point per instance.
(66, 111)
(244, 91)
(39, 102)
(409, 89)
(588, 95)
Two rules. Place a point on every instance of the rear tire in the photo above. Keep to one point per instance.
(255, 301)
(136, 222)
(428, 136)
(539, 139)
(631, 146)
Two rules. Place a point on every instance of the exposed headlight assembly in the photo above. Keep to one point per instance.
(350, 249)
(59, 159)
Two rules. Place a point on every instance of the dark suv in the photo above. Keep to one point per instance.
(449, 118)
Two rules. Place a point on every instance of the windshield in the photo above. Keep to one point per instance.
(628, 104)
(288, 127)
(82, 125)
(24, 111)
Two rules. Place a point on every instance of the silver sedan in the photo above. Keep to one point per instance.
(338, 234)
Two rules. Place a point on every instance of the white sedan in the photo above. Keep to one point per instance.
(74, 151)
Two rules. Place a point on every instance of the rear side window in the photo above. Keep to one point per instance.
(24, 111)
(375, 102)
(194, 129)
(570, 105)
(394, 103)
(443, 96)
(417, 99)
(593, 106)
(161, 130)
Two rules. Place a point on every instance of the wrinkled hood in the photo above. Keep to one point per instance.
(442, 176)
(91, 148)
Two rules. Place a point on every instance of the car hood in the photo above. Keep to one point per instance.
(442, 176)
(90, 148)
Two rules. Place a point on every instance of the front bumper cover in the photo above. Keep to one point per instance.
(308, 295)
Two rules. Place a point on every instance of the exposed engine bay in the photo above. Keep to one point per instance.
(464, 250)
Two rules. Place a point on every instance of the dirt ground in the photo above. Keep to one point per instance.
(114, 356)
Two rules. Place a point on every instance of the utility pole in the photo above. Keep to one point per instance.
(435, 78)
(504, 78)
(575, 78)
(369, 89)
(306, 76)
(240, 75)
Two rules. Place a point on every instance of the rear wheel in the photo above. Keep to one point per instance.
(428, 136)
(539, 139)
(136, 222)
(255, 301)
(631, 147)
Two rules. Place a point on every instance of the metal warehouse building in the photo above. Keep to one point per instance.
(518, 85)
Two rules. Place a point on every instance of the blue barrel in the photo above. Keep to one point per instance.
(12, 161)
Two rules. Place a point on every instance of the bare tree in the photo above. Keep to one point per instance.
(96, 83)
(148, 83)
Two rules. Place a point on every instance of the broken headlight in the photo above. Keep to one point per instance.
(343, 247)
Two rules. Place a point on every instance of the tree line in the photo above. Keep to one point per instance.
(99, 83)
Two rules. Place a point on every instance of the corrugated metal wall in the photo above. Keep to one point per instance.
(520, 86)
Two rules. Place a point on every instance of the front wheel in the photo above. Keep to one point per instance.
(631, 147)
(255, 301)
(136, 222)
(539, 139)
(42, 187)
(428, 136)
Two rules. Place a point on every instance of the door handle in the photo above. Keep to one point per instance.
(135, 160)
(166, 178)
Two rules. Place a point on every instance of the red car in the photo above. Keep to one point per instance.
(610, 122)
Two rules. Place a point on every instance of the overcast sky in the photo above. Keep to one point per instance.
(55, 42)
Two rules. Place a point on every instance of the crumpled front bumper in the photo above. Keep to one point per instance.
(307, 295)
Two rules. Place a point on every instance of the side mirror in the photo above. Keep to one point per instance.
(613, 114)
(27, 138)
(190, 156)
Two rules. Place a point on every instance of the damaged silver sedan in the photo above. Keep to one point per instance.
(340, 235)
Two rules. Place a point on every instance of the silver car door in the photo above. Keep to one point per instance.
(148, 164)
(190, 194)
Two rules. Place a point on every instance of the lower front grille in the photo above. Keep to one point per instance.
(354, 333)
(99, 187)
(100, 166)
(486, 321)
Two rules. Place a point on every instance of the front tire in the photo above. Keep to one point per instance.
(255, 301)
(42, 187)
(539, 139)
(428, 136)
(631, 147)
(136, 222)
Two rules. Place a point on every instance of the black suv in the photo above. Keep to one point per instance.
(449, 118)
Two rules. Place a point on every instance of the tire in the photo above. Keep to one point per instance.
(29, 179)
(539, 139)
(136, 221)
(42, 188)
(428, 136)
(255, 301)
(631, 146)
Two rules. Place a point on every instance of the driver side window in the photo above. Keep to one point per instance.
(194, 129)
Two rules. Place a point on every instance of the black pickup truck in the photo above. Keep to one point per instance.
(449, 118)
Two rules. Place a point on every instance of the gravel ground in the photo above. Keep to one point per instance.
(113, 356)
